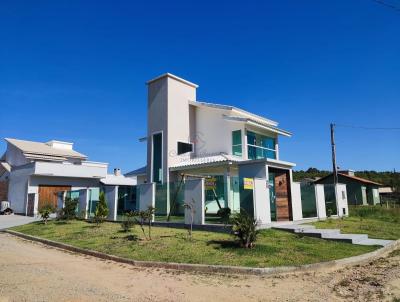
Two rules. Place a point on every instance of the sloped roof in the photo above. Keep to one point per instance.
(38, 149)
(140, 171)
(206, 160)
(240, 112)
(356, 178)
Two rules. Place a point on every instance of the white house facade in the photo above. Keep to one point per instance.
(34, 174)
(238, 150)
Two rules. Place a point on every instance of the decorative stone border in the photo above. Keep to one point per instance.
(222, 269)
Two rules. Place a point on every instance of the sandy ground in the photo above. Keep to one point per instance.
(34, 272)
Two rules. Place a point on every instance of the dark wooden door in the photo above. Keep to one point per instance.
(48, 195)
(282, 189)
(31, 204)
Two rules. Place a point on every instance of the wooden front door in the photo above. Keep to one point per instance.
(48, 195)
(282, 195)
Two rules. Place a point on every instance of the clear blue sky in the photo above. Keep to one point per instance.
(76, 71)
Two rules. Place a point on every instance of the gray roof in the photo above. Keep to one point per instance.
(43, 150)
(140, 171)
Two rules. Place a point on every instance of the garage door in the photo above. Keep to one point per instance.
(48, 194)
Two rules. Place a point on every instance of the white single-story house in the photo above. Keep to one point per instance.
(34, 174)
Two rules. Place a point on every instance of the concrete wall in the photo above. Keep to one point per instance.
(320, 200)
(168, 112)
(70, 170)
(214, 132)
(18, 189)
(147, 196)
(341, 195)
(14, 156)
(111, 194)
(194, 195)
(262, 210)
(297, 211)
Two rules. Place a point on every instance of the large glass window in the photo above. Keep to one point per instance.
(237, 142)
(157, 157)
(260, 146)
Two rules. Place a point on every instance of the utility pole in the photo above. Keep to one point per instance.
(335, 174)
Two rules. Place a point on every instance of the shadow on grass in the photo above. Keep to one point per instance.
(224, 244)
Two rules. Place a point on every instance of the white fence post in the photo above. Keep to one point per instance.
(320, 199)
(297, 210)
(342, 204)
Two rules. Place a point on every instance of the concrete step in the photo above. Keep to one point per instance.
(294, 227)
(371, 241)
(350, 238)
(318, 233)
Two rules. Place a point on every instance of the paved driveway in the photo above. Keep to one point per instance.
(8, 221)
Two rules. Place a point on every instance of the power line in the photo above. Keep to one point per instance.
(367, 128)
(384, 3)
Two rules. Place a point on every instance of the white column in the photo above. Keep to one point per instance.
(320, 199)
(194, 195)
(342, 204)
(111, 195)
(297, 211)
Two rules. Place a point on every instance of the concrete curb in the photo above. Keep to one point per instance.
(222, 269)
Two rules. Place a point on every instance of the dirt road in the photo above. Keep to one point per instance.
(34, 272)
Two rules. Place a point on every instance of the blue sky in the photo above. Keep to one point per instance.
(76, 71)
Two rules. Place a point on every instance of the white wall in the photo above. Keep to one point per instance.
(342, 203)
(320, 199)
(262, 211)
(111, 195)
(70, 170)
(147, 193)
(297, 210)
(214, 132)
(194, 195)
(14, 156)
(18, 189)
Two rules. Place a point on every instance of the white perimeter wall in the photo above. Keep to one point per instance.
(18, 189)
(341, 195)
(320, 199)
(297, 210)
(194, 195)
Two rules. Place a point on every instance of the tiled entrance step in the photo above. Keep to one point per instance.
(331, 234)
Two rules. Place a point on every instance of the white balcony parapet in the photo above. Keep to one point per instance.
(84, 170)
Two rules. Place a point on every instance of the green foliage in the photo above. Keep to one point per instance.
(45, 212)
(129, 221)
(145, 217)
(101, 211)
(224, 214)
(376, 212)
(68, 212)
(329, 213)
(244, 227)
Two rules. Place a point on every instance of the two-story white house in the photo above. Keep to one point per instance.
(193, 138)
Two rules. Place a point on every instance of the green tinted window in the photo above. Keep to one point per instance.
(260, 146)
(237, 142)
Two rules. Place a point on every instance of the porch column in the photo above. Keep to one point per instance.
(111, 194)
(227, 189)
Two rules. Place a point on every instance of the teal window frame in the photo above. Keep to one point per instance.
(260, 146)
(237, 143)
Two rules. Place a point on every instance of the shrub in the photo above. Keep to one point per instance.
(68, 212)
(45, 212)
(144, 217)
(245, 229)
(129, 221)
(101, 211)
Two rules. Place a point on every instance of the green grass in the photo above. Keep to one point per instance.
(274, 248)
(376, 221)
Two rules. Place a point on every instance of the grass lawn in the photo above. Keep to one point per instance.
(376, 221)
(274, 248)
